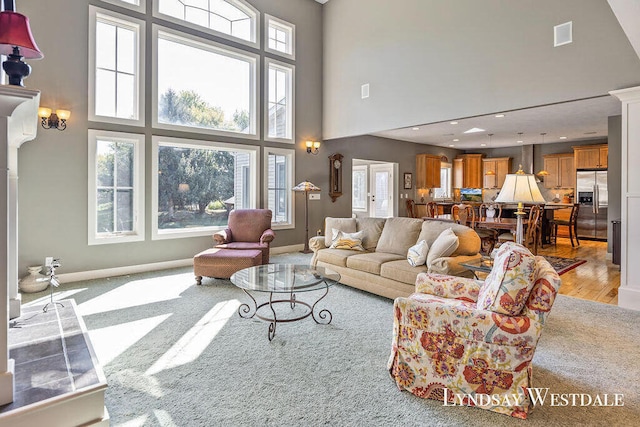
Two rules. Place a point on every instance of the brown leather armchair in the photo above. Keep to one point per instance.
(247, 229)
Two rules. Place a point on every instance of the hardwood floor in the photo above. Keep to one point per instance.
(597, 280)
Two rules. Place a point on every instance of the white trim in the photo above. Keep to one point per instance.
(247, 8)
(291, 167)
(217, 48)
(138, 233)
(138, 27)
(291, 98)
(284, 26)
(140, 7)
(157, 234)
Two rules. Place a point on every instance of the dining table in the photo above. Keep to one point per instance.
(443, 218)
(501, 223)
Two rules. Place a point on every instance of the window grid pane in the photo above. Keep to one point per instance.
(278, 105)
(279, 36)
(278, 193)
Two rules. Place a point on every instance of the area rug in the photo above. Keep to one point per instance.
(562, 265)
(178, 354)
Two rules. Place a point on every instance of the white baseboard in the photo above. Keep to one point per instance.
(142, 268)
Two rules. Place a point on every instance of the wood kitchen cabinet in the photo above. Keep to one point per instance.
(591, 156)
(562, 172)
(467, 171)
(500, 166)
(427, 171)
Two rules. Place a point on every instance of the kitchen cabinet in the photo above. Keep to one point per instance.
(500, 166)
(427, 171)
(467, 171)
(591, 156)
(562, 172)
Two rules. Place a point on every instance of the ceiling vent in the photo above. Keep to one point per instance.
(563, 34)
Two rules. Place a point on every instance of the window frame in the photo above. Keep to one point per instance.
(209, 45)
(138, 233)
(156, 142)
(291, 159)
(138, 26)
(282, 25)
(249, 9)
(291, 89)
(364, 168)
(140, 7)
(449, 190)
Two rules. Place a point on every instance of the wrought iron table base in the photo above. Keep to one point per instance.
(247, 312)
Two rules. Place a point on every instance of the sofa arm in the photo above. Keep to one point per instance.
(267, 236)
(451, 265)
(445, 286)
(222, 237)
(316, 243)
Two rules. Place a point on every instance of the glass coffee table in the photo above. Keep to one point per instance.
(482, 265)
(286, 281)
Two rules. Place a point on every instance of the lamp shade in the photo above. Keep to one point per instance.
(520, 188)
(15, 31)
(306, 186)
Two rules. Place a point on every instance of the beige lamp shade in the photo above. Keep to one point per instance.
(520, 188)
(306, 186)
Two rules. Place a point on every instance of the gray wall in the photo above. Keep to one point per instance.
(53, 167)
(614, 176)
(369, 147)
(432, 60)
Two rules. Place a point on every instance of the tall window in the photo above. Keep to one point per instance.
(280, 37)
(116, 187)
(445, 190)
(139, 5)
(234, 19)
(359, 188)
(279, 167)
(196, 184)
(279, 109)
(116, 71)
(216, 96)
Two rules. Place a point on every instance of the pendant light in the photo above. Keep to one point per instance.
(490, 172)
(543, 172)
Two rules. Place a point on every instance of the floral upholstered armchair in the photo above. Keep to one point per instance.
(247, 229)
(458, 338)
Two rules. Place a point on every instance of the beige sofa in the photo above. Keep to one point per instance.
(383, 268)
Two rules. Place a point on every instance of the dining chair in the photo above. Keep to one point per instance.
(432, 209)
(572, 223)
(488, 236)
(464, 214)
(533, 232)
(411, 208)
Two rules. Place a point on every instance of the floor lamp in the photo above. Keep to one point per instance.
(520, 188)
(305, 187)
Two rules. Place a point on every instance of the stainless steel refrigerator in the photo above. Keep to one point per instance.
(591, 187)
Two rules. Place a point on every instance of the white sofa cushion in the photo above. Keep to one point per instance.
(372, 228)
(398, 235)
(469, 242)
(446, 243)
(417, 254)
(371, 262)
(351, 241)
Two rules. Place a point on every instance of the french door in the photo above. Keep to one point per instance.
(381, 202)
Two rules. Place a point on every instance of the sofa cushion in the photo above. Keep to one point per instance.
(469, 242)
(507, 287)
(348, 225)
(417, 254)
(372, 228)
(335, 256)
(371, 262)
(402, 271)
(446, 243)
(351, 241)
(398, 235)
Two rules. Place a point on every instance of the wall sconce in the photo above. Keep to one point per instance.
(51, 120)
(312, 147)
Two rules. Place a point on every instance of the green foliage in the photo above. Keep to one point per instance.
(216, 205)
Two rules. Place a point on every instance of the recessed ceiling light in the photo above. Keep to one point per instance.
(499, 116)
(415, 128)
(474, 130)
(520, 141)
(456, 140)
(453, 123)
(451, 145)
(563, 137)
(483, 145)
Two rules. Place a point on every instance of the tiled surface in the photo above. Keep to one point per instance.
(41, 368)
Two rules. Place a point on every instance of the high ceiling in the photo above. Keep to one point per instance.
(576, 121)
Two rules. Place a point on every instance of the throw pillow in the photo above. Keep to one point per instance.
(351, 241)
(507, 287)
(348, 225)
(444, 245)
(417, 254)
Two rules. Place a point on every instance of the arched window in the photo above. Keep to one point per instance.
(234, 18)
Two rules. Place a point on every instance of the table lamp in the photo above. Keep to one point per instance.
(520, 188)
(16, 42)
(305, 187)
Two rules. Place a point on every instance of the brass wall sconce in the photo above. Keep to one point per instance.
(51, 120)
(312, 147)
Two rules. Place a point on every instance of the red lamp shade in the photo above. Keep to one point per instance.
(15, 31)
